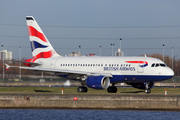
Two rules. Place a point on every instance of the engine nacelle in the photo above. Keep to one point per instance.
(98, 82)
(141, 85)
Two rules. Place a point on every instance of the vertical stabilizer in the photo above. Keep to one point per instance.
(40, 46)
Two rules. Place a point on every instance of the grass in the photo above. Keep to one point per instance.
(73, 90)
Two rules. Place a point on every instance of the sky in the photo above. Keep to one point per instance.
(143, 25)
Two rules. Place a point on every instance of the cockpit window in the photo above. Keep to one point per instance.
(162, 65)
(153, 65)
(157, 64)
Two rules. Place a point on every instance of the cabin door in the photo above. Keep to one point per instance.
(140, 66)
(53, 62)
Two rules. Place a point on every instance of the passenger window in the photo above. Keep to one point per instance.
(101, 64)
(153, 65)
(157, 64)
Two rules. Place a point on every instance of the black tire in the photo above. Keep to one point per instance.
(85, 89)
(82, 89)
(112, 89)
(79, 89)
(147, 91)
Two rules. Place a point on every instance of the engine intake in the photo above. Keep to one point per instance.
(98, 82)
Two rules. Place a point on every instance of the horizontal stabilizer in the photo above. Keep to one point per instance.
(7, 66)
(25, 63)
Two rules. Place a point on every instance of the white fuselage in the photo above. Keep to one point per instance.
(131, 68)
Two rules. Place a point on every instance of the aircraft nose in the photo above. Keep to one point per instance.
(170, 72)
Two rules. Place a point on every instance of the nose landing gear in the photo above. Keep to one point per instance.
(147, 88)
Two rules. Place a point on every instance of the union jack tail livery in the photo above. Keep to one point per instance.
(40, 46)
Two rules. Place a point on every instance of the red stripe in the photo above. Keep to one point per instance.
(44, 54)
(40, 55)
(33, 32)
(137, 62)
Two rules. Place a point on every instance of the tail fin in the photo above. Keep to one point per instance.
(41, 47)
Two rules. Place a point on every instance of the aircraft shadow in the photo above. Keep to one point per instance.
(42, 91)
(133, 92)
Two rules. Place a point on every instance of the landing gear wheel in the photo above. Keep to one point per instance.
(82, 89)
(147, 91)
(112, 89)
(147, 88)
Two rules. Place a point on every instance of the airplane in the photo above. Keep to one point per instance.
(94, 72)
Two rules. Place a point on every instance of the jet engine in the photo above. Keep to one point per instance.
(97, 82)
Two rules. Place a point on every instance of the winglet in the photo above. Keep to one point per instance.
(7, 66)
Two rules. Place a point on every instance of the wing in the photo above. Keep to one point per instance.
(72, 74)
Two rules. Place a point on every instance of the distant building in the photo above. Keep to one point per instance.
(119, 53)
(7, 55)
(75, 54)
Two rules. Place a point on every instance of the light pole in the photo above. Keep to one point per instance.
(120, 43)
(163, 52)
(172, 58)
(3, 61)
(79, 50)
(99, 50)
(174, 63)
(112, 48)
(20, 63)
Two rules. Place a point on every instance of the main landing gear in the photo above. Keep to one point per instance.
(82, 89)
(147, 89)
(112, 89)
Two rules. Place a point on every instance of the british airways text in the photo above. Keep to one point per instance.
(119, 68)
